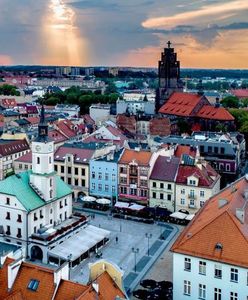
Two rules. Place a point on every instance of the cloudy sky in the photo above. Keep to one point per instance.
(205, 33)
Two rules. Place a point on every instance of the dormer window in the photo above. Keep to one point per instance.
(33, 285)
(192, 182)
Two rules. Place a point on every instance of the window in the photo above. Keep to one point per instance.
(62, 169)
(153, 195)
(60, 216)
(182, 201)
(228, 167)
(99, 186)
(106, 176)
(123, 190)
(50, 160)
(202, 291)
(20, 166)
(217, 294)
(222, 150)
(41, 215)
(143, 193)
(33, 285)
(83, 172)
(83, 182)
(133, 192)
(218, 271)
(113, 177)
(123, 180)
(35, 229)
(202, 193)
(26, 167)
(60, 204)
(106, 188)
(76, 171)
(161, 185)
(65, 202)
(35, 217)
(19, 233)
(93, 186)
(69, 170)
(100, 175)
(169, 186)
(7, 215)
(154, 184)
(55, 168)
(192, 182)
(161, 196)
(183, 191)
(65, 215)
(209, 149)
(69, 180)
(75, 181)
(143, 182)
(51, 210)
(7, 201)
(93, 175)
(192, 203)
(187, 287)
(51, 182)
(8, 230)
(113, 189)
(233, 296)
(202, 267)
(38, 160)
(68, 159)
(169, 197)
(215, 149)
(234, 275)
(19, 218)
(187, 264)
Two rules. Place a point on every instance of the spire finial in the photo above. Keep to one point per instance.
(169, 44)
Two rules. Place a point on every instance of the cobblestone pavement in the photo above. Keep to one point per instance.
(130, 234)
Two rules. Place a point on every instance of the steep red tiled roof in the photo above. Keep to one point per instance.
(69, 290)
(45, 277)
(240, 93)
(205, 175)
(181, 104)
(65, 126)
(25, 158)
(141, 157)
(180, 150)
(56, 136)
(160, 126)
(80, 155)
(165, 168)
(8, 147)
(214, 113)
(217, 223)
(33, 120)
(4, 278)
(8, 102)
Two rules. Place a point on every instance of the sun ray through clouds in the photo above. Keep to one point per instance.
(64, 42)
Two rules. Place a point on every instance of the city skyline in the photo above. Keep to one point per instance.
(206, 34)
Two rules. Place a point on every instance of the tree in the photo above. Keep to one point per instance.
(230, 102)
(9, 90)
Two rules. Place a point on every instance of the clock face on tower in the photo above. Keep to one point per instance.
(38, 148)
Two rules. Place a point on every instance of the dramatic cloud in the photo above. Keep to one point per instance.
(130, 32)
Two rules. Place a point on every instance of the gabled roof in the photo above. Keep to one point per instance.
(25, 194)
(44, 276)
(56, 136)
(181, 104)
(181, 149)
(214, 113)
(217, 223)
(165, 168)
(69, 290)
(240, 93)
(206, 174)
(81, 155)
(141, 157)
(8, 147)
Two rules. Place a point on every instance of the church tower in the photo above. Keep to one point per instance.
(169, 76)
(42, 178)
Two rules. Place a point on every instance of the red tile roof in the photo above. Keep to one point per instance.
(33, 120)
(126, 123)
(181, 104)
(160, 126)
(69, 290)
(180, 150)
(240, 93)
(207, 176)
(217, 223)
(9, 102)
(214, 113)
(141, 157)
(8, 147)
(66, 128)
(4, 278)
(81, 156)
(56, 136)
(25, 158)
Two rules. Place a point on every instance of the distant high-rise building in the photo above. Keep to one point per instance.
(169, 76)
(58, 71)
(66, 70)
(89, 71)
(75, 71)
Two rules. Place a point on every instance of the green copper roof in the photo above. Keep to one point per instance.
(18, 186)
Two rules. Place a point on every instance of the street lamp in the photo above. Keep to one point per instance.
(135, 251)
(148, 236)
(69, 262)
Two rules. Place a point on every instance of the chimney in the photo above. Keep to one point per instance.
(217, 102)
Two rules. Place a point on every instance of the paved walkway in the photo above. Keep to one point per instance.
(130, 235)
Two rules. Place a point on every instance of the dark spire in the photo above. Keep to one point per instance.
(200, 88)
(169, 44)
(42, 127)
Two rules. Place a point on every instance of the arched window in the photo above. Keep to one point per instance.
(50, 160)
(51, 182)
(51, 193)
(38, 160)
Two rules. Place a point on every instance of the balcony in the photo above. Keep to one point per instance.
(192, 206)
(191, 196)
(51, 234)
